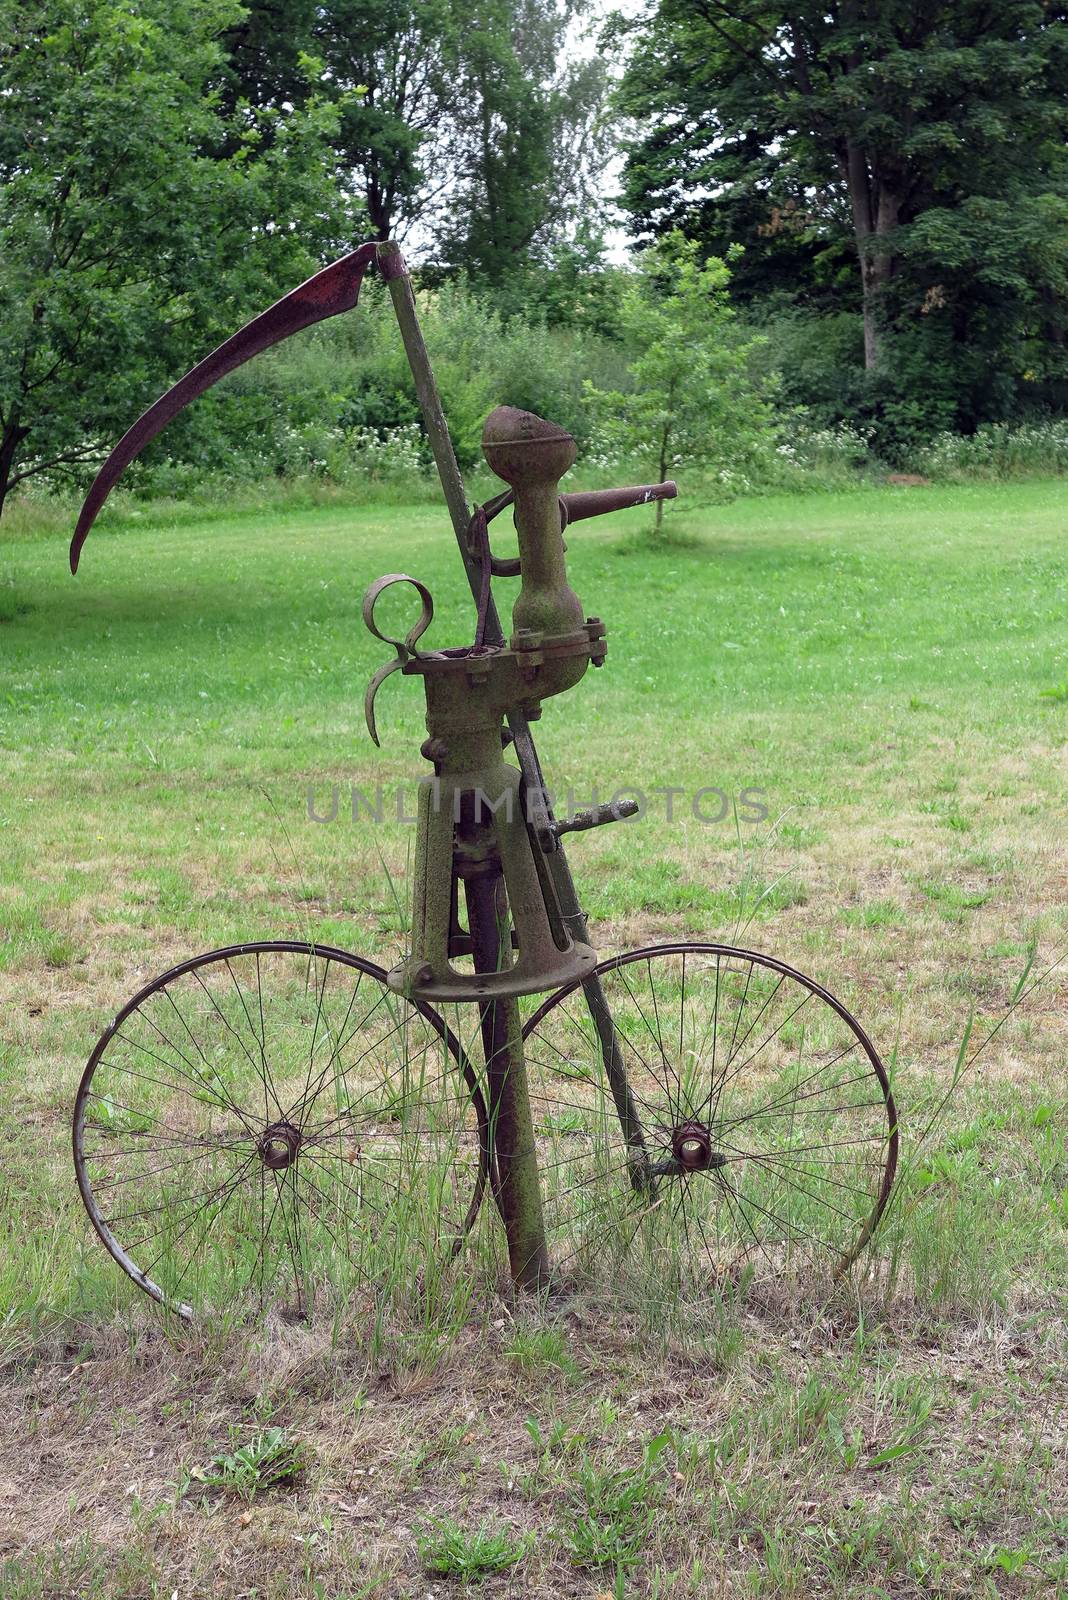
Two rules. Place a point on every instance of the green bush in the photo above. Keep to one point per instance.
(1000, 450)
(793, 457)
(332, 413)
(816, 362)
(929, 386)
(338, 401)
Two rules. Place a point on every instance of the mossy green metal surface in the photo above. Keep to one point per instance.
(469, 695)
(473, 825)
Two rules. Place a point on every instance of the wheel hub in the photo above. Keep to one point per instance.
(278, 1145)
(691, 1146)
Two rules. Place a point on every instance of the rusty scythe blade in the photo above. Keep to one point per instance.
(333, 290)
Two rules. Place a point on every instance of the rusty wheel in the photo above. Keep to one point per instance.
(768, 1126)
(268, 1120)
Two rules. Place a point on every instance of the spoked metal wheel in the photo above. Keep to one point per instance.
(769, 1130)
(268, 1120)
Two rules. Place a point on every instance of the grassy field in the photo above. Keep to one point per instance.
(890, 670)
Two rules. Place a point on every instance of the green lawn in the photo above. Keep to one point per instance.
(889, 668)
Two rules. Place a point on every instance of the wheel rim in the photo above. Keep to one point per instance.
(264, 1121)
(769, 1126)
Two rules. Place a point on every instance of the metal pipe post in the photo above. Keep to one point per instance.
(517, 1188)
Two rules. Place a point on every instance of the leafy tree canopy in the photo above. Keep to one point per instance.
(927, 140)
(137, 223)
(470, 130)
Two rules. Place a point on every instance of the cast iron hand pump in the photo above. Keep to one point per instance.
(286, 1117)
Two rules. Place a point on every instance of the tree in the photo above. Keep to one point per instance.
(530, 145)
(794, 126)
(391, 66)
(470, 131)
(396, 64)
(693, 401)
(137, 224)
(263, 51)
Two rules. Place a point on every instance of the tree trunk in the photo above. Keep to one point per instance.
(876, 210)
(379, 208)
(664, 439)
(10, 440)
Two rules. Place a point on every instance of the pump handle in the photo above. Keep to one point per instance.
(577, 507)
(598, 502)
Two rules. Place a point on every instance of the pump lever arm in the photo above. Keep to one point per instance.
(598, 502)
(576, 507)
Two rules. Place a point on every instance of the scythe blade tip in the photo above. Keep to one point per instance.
(325, 294)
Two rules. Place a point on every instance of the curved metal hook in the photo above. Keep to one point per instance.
(405, 647)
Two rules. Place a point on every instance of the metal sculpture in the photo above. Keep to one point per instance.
(275, 1115)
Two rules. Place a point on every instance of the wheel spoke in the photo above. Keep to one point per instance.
(260, 1038)
(742, 1048)
(298, 1112)
(792, 1097)
(211, 1185)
